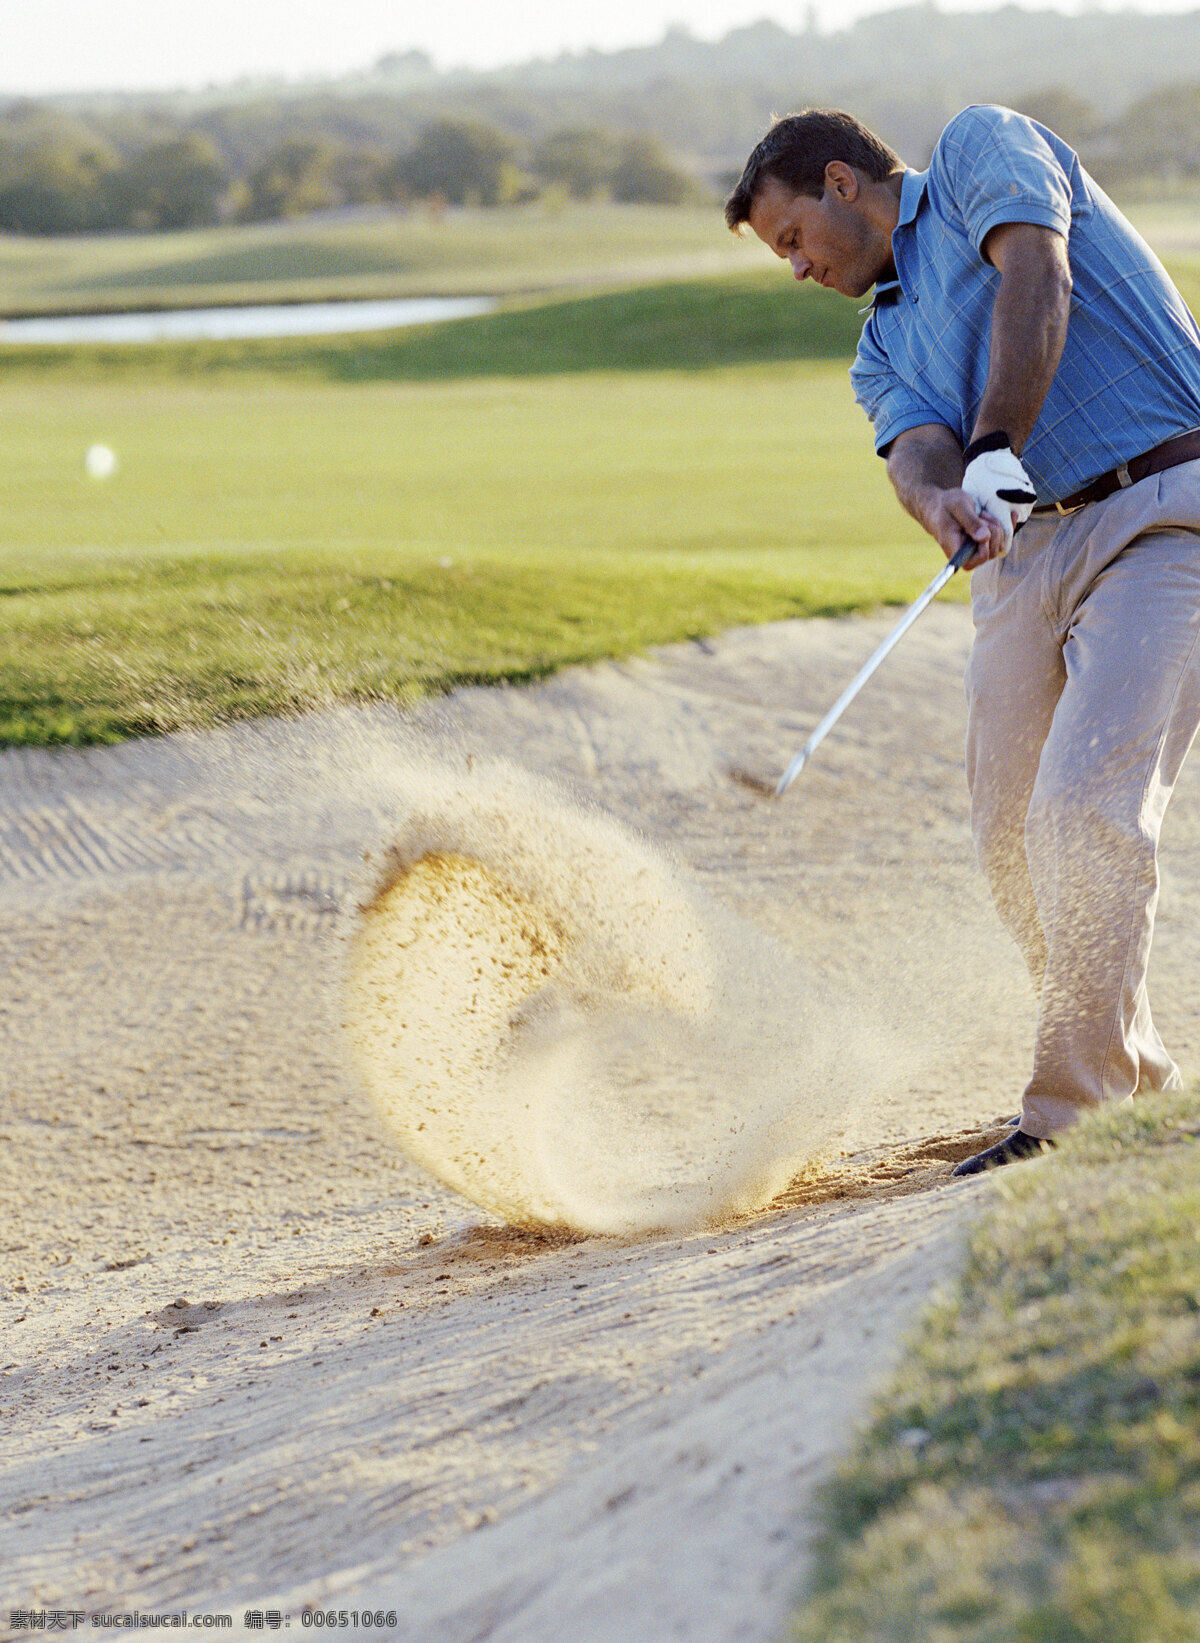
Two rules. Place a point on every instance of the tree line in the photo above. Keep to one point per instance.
(61, 175)
(651, 123)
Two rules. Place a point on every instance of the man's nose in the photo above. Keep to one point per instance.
(801, 266)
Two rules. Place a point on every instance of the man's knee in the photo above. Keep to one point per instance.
(1086, 820)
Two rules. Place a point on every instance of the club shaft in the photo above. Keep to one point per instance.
(868, 668)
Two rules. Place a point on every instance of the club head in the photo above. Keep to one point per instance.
(763, 786)
(792, 771)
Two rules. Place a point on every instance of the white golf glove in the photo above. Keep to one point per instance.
(997, 483)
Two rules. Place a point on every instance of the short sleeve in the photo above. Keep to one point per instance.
(891, 404)
(997, 167)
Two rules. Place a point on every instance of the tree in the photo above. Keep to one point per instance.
(52, 184)
(406, 68)
(292, 179)
(1159, 136)
(354, 176)
(312, 174)
(174, 184)
(646, 173)
(467, 162)
(580, 160)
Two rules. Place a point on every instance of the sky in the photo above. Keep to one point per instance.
(77, 45)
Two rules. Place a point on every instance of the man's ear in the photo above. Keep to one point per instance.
(842, 180)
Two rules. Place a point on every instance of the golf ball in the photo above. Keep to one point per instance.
(100, 462)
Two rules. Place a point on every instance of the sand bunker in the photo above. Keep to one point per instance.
(255, 1357)
(555, 1022)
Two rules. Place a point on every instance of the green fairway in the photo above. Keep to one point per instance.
(278, 538)
(535, 247)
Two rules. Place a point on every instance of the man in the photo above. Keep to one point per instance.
(1028, 363)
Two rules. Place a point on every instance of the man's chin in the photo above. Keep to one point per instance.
(848, 288)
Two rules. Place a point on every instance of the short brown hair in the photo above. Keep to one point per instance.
(797, 149)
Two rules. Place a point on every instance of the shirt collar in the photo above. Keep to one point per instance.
(912, 192)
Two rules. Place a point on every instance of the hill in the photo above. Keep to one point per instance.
(905, 70)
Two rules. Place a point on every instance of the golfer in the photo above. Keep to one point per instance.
(1033, 379)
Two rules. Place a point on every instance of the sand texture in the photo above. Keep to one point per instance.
(697, 1063)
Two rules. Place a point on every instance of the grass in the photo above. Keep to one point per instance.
(536, 247)
(302, 523)
(751, 317)
(1034, 1474)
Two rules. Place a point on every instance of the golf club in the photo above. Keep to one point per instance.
(868, 668)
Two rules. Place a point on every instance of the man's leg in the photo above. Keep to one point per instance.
(1123, 725)
(1014, 679)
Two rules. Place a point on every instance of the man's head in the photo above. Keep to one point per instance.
(822, 191)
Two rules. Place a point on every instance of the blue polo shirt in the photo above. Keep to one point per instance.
(1129, 377)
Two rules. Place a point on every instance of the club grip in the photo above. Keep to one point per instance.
(964, 553)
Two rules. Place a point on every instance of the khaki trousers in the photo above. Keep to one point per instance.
(1083, 690)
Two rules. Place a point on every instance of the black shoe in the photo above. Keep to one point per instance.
(1014, 1146)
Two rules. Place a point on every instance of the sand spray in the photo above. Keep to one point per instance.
(555, 1020)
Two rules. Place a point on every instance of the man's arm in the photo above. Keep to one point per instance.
(1029, 329)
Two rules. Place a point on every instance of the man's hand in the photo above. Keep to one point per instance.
(953, 518)
(997, 483)
(925, 465)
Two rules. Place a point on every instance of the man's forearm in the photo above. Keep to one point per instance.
(922, 464)
(1029, 329)
(925, 466)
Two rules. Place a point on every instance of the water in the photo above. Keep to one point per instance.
(299, 319)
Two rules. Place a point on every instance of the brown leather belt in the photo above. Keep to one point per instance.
(1183, 448)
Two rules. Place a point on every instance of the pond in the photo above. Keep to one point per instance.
(299, 319)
